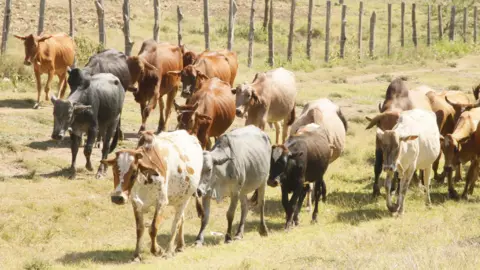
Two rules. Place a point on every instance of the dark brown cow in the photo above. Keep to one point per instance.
(149, 69)
(51, 54)
(222, 64)
(209, 112)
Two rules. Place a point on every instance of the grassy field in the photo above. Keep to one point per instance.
(50, 222)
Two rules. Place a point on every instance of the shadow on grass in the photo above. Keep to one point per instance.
(32, 175)
(355, 217)
(98, 256)
(272, 208)
(45, 145)
(17, 103)
(349, 199)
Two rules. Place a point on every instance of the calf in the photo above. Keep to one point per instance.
(303, 159)
(414, 143)
(237, 165)
(164, 170)
(51, 54)
(209, 112)
(270, 98)
(95, 109)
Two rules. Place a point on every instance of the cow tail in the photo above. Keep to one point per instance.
(342, 117)
(199, 206)
(292, 116)
(115, 139)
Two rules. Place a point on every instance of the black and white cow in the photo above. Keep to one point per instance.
(94, 108)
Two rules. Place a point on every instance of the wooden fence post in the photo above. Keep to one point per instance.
(414, 25)
(101, 22)
(271, 60)
(41, 17)
(440, 25)
(343, 35)
(309, 29)
(290, 34)
(360, 15)
(452, 25)
(7, 15)
(389, 34)
(156, 20)
(465, 25)
(179, 25)
(265, 16)
(402, 25)
(251, 34)
(373, 20)
(327, 31)
(231, 23)
(126, 27)
(429, 15)
(71, 22)
(206, 26)
(475, 19)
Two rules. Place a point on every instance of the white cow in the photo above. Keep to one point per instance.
(414, 143)
(163, 170)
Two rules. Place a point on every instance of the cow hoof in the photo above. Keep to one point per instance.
(263, 231)
(376, 193)
(452, 194)
(99, 175)
(72, 177)
(228, 239)
(465, 197)
(168, 255)
(198, 243)
(314, 221)
(136, 259)
(238, 237)
(89, 167)
(36, 105)
(179, 249)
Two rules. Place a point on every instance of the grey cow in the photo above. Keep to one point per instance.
(238, 164)
(94, 108)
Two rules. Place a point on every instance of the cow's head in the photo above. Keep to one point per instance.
(281, 163)
(245, 96)
(138, 67)
(390, 142)
(64, 113)
(185, 115)
(218, 156)
(131, 165)
(450, 148)
(189, 57)
(191, 79)
(31, 43)
(459, 107)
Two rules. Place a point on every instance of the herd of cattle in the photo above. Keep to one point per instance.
(414, 127)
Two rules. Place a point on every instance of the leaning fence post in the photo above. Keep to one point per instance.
(126, 27)
(41, 17)
(464, 24)
(429, 15)
(156, 20)
(372, 34)
(440, 26)
(414, 25)
(6, 25)
(389, 34)
(179, 25)
(206, 26)
(101, 22)
(271, 60)
(309, 29)
(231, 23)
(290, 34)
(475, 18)
(327, 31)
(343, 35)
(251, 34)
(360, 15)
(402, 25)
(452, 25)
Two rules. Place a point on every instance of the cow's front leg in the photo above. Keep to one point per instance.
(404, 183)
(38, 80)
(243, 217)
(168, 108)
(161, 121)
(155, 249)
(378, 171)
(51, 73)
(263, 230)
(74, 145)
(87, 151)
(303, 193)
(140, 229)
(143, 106)
(62, 84)
(206, 208)
(230, 216)
(180, 237)
(317, 192)
(277, 132)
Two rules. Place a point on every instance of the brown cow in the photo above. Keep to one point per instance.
(447, 116)
(51, 54)
(209, 112)
(222, 64)
(461, 146)
(149, 69)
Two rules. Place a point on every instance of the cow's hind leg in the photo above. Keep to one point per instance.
(87, 150)
(438, 177)
(471, 177)
(261, 198)
(168, 107)
(426, 182)
(51, 73)
(180, 237)
(299, 205)
(377, 171)
(243, 217)
(161, 121)
(62, 84)
(140, 229)
(285, 129)
(175, 227)
(107, 136)
(317, 193)
(155, 249)
(206, 208)
(277, 132)
(230, 216)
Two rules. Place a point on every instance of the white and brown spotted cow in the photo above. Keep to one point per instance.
(163, 170)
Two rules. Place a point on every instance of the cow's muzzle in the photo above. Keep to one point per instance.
(118, 199)
(58, 136)
(448, 169)
(273, 182)
(389, 168)
(27, 62)
(239, 113)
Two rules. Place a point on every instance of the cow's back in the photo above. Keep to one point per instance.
(110, 61)
(222, 64)
(63, 48)
(419, 99)
(396, 97)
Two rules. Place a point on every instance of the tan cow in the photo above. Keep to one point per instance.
(270, 98)
(51, 54)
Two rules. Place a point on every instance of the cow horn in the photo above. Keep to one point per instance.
(463, 106)
(53, 98)
(374, 121)
(380, 105)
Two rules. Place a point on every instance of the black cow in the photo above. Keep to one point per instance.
(301, 160)
(107, 61)
(93, 108)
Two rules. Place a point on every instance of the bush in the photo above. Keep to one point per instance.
(14, 69)
(85, 48)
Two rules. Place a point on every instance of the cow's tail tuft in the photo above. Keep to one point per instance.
(292, 116)
(199, 206)
(115, 139)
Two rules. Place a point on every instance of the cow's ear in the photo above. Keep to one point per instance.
(203, 116)
(201, 76)
(146, 169)
(408, 138)
(109, 161)
(20, 37)
(295, 155)
(442, 139)
(53, 98)
(220, 161)
(148, 65)
(41, 39)
(177, 107)
(138, 155)
(175, 73)
(374, 121)
(255, 97)
(234, 91)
